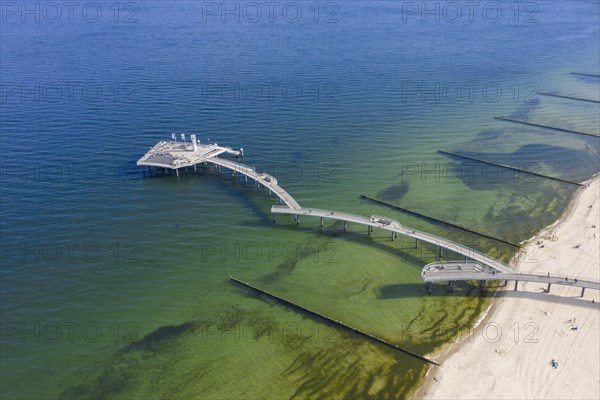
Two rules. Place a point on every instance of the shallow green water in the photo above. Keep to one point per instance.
(122, 289)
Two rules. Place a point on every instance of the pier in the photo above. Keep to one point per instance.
(516, 121)
(395, 227)
(469, 271)
(176, 155)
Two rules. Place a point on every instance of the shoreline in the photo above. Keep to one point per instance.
(454, 379)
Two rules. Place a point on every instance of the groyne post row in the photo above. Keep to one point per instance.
(516, 121)
(511, 168)
(426, 217)
(567, 97)
(583, 74)
(335, 322)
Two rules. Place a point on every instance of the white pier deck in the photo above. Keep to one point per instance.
(395, 226)
(175, 155)
(469, 271)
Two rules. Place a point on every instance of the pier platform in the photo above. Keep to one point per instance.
(452, 271)
(176, 155)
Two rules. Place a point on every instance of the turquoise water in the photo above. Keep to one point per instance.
(115, 284)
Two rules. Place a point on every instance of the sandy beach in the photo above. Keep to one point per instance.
(509, 354)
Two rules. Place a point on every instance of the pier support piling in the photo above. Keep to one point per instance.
(321, 222)
(548, 288)
(345, 226)
(516, 285)
(582, 292)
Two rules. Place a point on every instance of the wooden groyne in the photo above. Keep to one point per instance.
(427, 217)
(568, 97)
(333, 321)
(583, 74)
(545, 126)
(511, 168)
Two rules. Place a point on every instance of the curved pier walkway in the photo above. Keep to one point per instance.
(265, 180)
(470, 271)
(395, 227)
